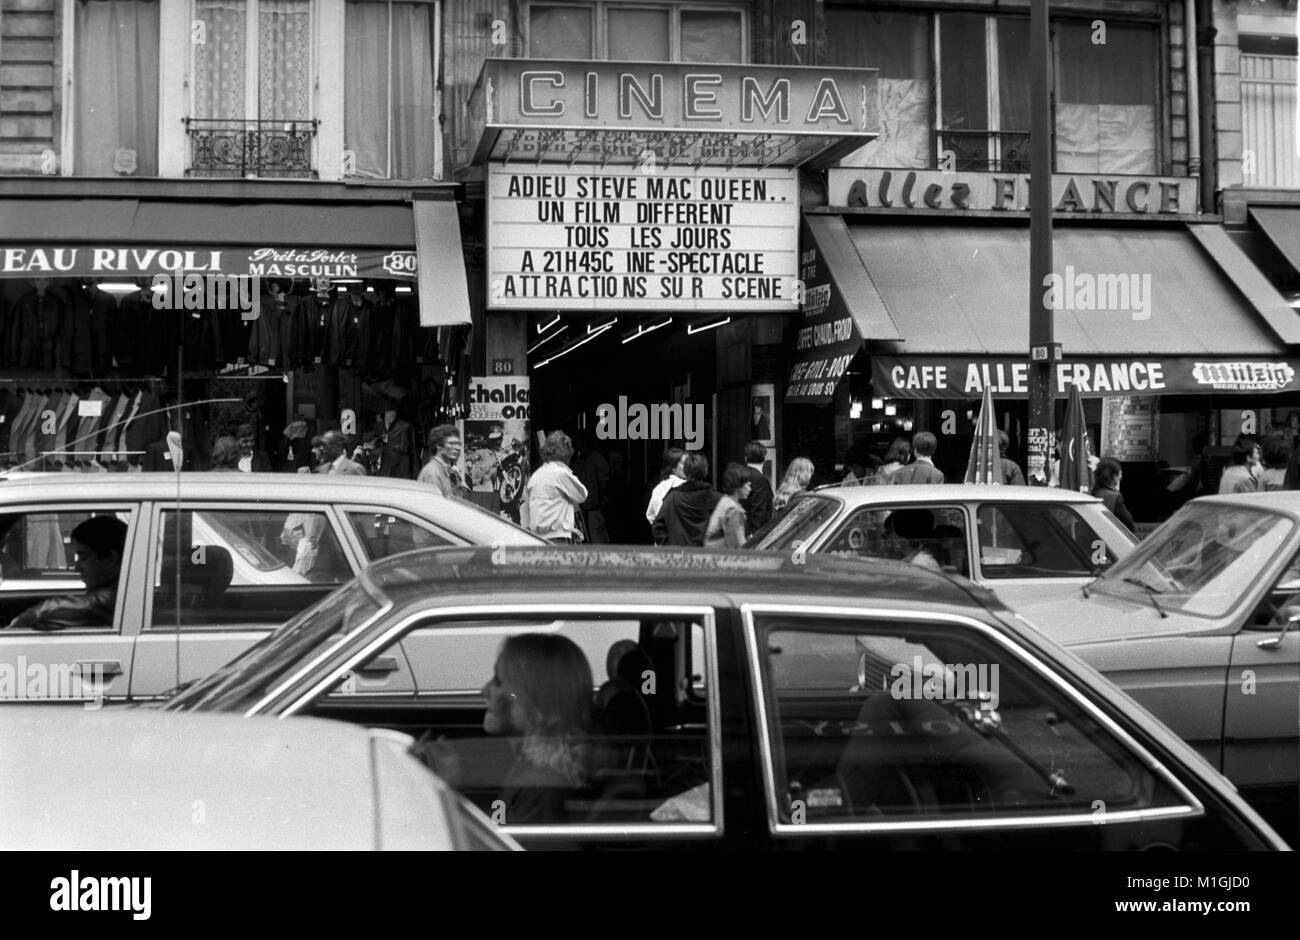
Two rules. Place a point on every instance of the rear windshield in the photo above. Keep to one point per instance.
(804, 516)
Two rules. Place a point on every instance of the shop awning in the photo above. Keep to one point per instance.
(441, 264)
(841, 309)
(129, 238)
(1282, 226)
(1139, 311)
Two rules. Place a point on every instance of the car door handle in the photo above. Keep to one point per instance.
(108, 668)
(382, 664)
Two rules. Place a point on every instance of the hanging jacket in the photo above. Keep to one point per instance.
(77, 344)
(130, 323)
(316, 322)
(36, 326)
(103, 310)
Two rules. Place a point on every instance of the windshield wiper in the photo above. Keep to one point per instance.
(177, 689)
(1096, 573)
(1151, 593)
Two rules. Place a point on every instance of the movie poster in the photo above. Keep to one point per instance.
(495, 432)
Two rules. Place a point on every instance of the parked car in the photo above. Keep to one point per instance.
(250, 551)
(73, 780)
(1198, 624)
(738, 700)
(1019, 541)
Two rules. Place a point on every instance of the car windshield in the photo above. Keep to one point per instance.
(244, 680)
(1203, 560)
(805, 516)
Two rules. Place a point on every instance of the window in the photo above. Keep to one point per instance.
(390, 112)
(254, 61)
(875, 722)
(383, 534)
(116, 88)
(801, 519)
(930, 536)
(584, 719)
(898, 44)
(1028, 540)
(652, 32)
(1268, 113)
(39, 565)
(1106, 98)
(983, 92)
(243, 566)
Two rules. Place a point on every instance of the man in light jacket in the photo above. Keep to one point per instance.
(553, 493)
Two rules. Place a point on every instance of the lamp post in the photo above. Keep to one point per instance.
(1043, 351)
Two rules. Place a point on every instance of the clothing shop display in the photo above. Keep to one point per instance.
(36, 324)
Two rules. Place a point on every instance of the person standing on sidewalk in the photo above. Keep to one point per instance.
(553, 493)
(440, 472)
(922, 470)
(684, 517)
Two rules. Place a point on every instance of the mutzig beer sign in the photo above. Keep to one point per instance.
(579, 238)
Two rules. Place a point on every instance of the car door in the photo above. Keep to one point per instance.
(228, 574)
(933, 534)
(895, 729)
(648, 774)
(37, 564)
(1261, 726)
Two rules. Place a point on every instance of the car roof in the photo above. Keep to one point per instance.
(964, 492)
(140, 778)
(601, 571)
(264, 487)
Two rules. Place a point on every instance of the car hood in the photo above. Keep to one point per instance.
(1076, 620)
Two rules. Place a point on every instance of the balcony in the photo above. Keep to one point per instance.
(985, 151)
(273, 149)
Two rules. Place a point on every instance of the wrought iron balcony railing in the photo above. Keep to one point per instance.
(985, 151)
(250, 148)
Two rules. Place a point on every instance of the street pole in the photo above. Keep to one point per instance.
(1043, 352)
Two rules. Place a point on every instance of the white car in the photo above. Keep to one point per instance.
(1022, 542)
(73, 780)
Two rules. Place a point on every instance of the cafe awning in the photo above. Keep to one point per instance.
(1282, 226)
(116, 238)
(1130, 302)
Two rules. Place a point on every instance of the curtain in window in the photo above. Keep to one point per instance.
(116, 87)
(710, 36)
(284, 60)
(1268, 119)
(219, 59)
(368, 69)
(898, 45)
(1106, 107)
(638, 35)
(559, 33)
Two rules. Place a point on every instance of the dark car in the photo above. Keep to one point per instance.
(694, 699)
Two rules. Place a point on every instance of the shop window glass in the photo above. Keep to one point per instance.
(638, 35)
(712, 36)
(559, 32)
(390, 124)
(243, 566)
(898, 44)
(116, 75)
(856, 736)
(1106, 99)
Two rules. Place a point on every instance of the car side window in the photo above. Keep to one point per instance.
(39, 566)
(876, 721)
(382, 534)
(242, 566)
(576, 720)
(930, 536)
(1038, 540)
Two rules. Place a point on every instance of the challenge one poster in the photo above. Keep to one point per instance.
(495, 433)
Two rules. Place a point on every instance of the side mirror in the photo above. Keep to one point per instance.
(1292, 615)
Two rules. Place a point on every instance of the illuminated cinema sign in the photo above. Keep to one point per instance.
(735, 115)
(709, 240)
